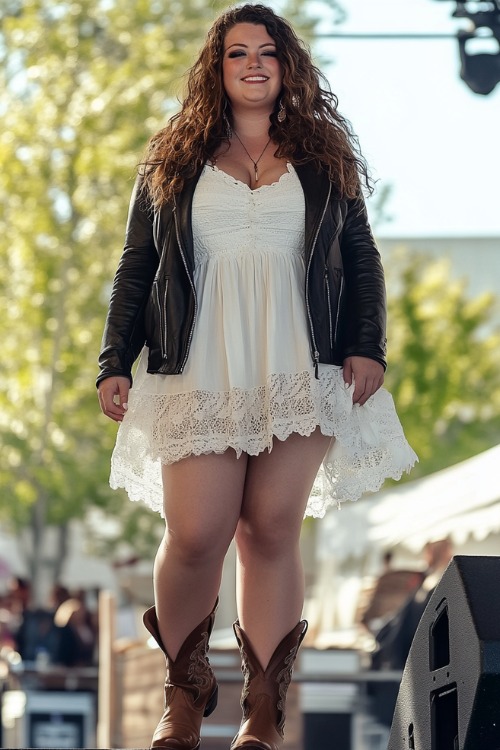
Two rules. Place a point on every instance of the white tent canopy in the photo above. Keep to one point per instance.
(461, 501)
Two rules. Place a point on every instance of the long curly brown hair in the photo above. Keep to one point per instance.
(313, 131)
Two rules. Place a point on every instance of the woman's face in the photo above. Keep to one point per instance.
(251, 73)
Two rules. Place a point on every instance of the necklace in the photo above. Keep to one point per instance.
(255, 163)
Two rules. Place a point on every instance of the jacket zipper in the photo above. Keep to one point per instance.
(329, 300)
(338, 308)
(192, 287)
(163, 321)
(313, 337)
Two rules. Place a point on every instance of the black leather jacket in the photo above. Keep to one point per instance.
(153, 299)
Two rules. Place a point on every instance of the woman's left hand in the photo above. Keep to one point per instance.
(368, 376)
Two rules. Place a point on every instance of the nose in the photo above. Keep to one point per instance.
(253, 60)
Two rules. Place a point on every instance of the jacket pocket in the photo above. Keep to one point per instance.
(159, 294)
(333, 292)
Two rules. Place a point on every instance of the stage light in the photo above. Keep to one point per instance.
(480, 71)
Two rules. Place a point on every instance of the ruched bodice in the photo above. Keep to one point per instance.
(230, 219)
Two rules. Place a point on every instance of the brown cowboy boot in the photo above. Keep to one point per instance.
(190, 687)
(264, 691)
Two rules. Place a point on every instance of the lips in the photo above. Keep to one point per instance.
(255, 79)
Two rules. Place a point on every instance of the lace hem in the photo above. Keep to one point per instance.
(369, 443)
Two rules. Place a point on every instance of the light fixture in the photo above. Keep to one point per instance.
(480, 70)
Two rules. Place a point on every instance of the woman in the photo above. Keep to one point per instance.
(252, 284)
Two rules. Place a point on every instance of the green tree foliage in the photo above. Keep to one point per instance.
(84, 84)
(444, 369)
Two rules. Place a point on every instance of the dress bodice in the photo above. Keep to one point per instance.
(230, 218)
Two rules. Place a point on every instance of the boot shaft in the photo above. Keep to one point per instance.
(190, 687)
(269, 685)
(191, 668)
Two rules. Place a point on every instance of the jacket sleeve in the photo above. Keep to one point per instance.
(364, 323)
(124, 331)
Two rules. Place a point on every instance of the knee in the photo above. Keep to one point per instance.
(272, 537)
(194, 545)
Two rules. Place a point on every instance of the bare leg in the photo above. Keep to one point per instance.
(270, 578)
(202, 501)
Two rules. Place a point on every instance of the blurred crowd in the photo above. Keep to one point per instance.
(65, 633)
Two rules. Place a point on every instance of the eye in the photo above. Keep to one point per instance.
(270, 53)
(236, 53)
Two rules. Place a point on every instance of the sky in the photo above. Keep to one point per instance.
(425, 134)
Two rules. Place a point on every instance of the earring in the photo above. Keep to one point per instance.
(225, 119)
(281, 116)
(227, 126)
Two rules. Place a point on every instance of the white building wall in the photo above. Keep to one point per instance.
(474, 258)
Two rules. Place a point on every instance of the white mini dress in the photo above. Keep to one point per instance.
(249, 378)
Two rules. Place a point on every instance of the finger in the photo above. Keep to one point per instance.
(122, 398)
(359, 389)
(371, 386)
(115, 413)
(363, 398)
(347, 372)
(112, 399)
(377, 383)
(111, 410)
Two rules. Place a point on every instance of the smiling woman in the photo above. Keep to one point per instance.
(252, 76)
(251, 281)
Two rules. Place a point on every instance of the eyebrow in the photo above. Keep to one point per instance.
(240, 44)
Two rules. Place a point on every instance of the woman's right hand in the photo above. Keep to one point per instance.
(113, 396)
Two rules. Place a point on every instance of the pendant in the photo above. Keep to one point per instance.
(256, 174)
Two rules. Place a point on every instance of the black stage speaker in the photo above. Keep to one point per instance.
(449, 698)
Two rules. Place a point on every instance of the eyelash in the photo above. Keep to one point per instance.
(239, 53)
